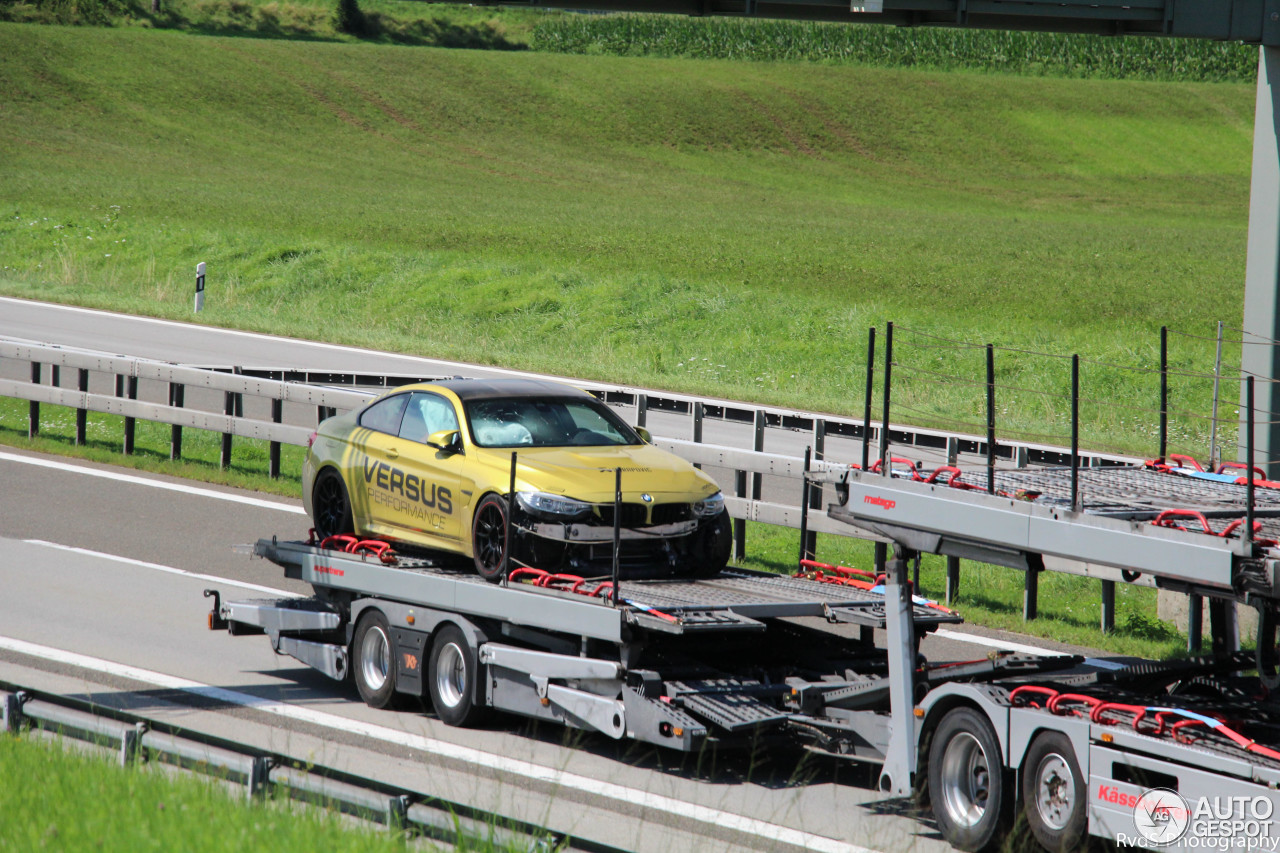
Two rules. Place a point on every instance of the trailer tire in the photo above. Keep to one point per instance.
(489, 538)
(374, 667)
(331, 505)
(1054, 793)
(453, 674)
(967, 781)
(712, 545)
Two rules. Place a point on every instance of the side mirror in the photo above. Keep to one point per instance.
(446, 441)
(645, 435)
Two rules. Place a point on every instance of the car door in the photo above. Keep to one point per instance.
(371, 477)
(433, 481)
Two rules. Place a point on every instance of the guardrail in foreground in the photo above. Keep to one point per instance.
(136, 739)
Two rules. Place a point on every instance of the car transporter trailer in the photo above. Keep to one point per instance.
(1177, 755)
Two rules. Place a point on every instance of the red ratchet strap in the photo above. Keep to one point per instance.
(1185, 461)
(841, 570)
(954, 481)
(1259, 474)
(568, 583)
(901, 460)
(349, 544)
(1167, 519)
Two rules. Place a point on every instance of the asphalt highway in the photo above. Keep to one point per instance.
(103, 572)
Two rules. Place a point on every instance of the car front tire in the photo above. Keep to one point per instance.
(712, 544)
(489, 538)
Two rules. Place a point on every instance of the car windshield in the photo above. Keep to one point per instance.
(546, 422)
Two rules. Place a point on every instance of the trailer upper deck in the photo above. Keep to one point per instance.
(1166, 524)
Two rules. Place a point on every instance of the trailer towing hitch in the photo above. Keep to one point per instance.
(216, 621)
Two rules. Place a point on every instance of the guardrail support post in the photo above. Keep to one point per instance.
(273, 459)
(397, 816)
(805, 499)
(55, 375)
(130, 424)
(177, 391)
(82, 415)
(33, 408)
(1108, 606)
(11, 711)
(1195, 623)
(131, 744)
(259, 776)
(757, 479)
(642, 409)
(1031, 588)
(228, 408)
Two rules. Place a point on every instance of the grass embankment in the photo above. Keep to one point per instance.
(711, 227)
(71, 802)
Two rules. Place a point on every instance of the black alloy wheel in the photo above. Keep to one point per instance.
(489, 538)
(330, 506)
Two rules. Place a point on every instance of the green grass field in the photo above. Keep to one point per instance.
(706, 226)
(83, 803)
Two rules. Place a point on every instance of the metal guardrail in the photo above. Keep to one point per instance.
(136, 739)
(281, 385)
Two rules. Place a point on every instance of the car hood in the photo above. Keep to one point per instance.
(587, 473)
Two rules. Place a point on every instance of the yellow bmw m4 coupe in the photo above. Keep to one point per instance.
(430, 465)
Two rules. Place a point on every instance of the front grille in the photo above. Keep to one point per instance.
(643, 515)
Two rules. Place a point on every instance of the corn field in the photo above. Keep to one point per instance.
(936, 48)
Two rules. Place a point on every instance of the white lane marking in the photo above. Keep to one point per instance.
(279, 338)
(155, 484)
(644, 799)
(1021, 648)
(142, 564)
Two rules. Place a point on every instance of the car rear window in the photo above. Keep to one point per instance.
(384, 415)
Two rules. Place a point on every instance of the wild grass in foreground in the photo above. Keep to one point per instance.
(989, 595)
(84, 803)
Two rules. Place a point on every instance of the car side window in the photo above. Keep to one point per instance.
(384, 415)
(426, 414)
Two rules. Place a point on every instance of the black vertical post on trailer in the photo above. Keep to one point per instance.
(881, 553)
(805, 552)
(991, 419)
(82, 415)
(1164, 391)
(815, 489)
(699, 412)
(1075, 433)
(505, 561)
(1248, 518)
(33, 407)
(177, 391)
(617, 534)
(866, 411)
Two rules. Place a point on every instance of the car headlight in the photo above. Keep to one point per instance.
(553, 505)
(713, 505)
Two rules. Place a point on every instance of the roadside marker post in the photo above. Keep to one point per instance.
(199, 287)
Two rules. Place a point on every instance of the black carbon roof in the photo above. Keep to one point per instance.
(481, 389)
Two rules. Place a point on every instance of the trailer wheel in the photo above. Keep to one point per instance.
(452, 675)
(374, 667)
(489, 538)
(330, 505)
(967, 782)
(1053, 793)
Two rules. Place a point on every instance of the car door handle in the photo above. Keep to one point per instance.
(393, 453)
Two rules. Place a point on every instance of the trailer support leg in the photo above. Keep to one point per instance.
(900, 756)
(1223, 627)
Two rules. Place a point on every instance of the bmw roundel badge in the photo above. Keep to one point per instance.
(647, 498)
